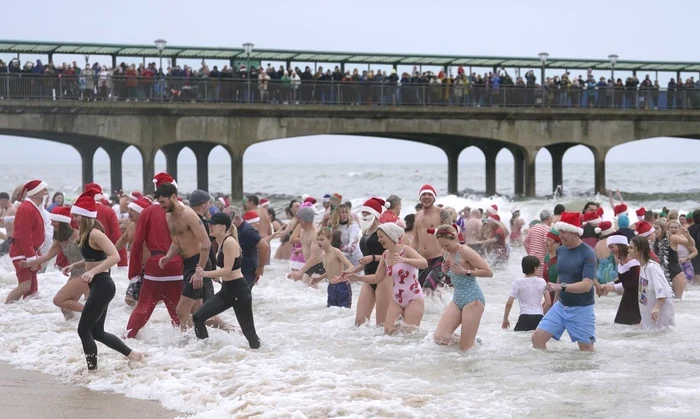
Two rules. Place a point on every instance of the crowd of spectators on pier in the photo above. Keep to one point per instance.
(367, 87)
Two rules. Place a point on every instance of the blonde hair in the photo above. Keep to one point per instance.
(85, 226)
(232, 231)
(335, 216)
(17, 193)
(453, 213)
(446, 231)
(674, 222)
(672, 215)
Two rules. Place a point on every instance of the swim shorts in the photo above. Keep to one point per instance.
(339, 295)
(432, 277)
(189, 267)
(578, 321)
(528, 322)
(134, 288)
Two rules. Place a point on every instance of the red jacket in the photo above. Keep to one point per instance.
(108, 218)
(29, 232)
(152, 229)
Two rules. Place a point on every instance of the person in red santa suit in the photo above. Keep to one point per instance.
(108, 218)
(28, 238)
(99, 256)
(158, 284)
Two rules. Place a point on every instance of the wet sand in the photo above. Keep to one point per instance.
(33, 395)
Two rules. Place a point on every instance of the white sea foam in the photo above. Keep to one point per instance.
(315, 363)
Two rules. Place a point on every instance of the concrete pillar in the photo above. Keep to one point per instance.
(115, 167)
(171, 152)
(557, 153)
(490, 155)
(201, 152)
(519, 176)
(87, 155)
(452, 171)
(237, 176)
(530, 174)
(599, 161)
(149, 170)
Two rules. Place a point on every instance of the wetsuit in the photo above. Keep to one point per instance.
(234, 294)
(91, 327)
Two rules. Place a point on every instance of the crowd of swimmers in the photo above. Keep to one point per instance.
(179, 248)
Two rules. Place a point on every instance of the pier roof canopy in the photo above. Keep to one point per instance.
(259, 54)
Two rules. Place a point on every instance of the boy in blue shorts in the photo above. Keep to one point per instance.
(334, 263)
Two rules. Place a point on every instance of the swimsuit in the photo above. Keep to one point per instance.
(406, 285)
(466, 288)
(296, 259)
(433, 276)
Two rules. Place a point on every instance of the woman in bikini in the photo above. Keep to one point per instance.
(463, 265)
(400, 263)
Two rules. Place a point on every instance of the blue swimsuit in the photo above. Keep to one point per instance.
(466, 288)
(607, 270)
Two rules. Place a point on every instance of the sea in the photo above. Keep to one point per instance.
(314, 363)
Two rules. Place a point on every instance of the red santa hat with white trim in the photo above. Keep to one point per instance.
(591, 218)
(85, 205)
(375, 206)
(139, 205)
(251, 217)
(570, 222)
(135, 195)
(492, 212)
(33, 187)
(605, 228)
(223, 201)
(61, 215)
(620, 209)
(97, 188)
(163, 178)
(644, 229)
(640, 213)
(264, 203)
(427, 189)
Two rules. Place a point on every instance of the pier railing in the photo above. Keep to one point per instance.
(107, 87)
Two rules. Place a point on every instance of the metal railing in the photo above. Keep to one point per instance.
(107, 87)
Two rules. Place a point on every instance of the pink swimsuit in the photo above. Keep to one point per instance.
(406, 285)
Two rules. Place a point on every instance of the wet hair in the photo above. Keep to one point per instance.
(394, 201)
(559, 209)
(446, 231)
(530, 264)
(410, 219)
(642, 246)
(272, 214)
(4, 195)
(63, 232)
(588, 204)
(253, 199)
(165, 190)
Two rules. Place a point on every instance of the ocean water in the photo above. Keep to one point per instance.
(315, 363)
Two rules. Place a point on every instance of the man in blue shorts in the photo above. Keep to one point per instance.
(573, 310)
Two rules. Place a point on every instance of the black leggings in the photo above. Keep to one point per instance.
(234, 294)
(91, 327)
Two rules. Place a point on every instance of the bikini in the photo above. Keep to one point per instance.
(466, 287)
(220, 258)
(406, 285)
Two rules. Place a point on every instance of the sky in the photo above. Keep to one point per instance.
(521, 29)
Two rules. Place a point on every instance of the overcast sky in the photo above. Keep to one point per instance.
(566, 29)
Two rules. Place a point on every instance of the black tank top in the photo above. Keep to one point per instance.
(90, 254)
(220, 258)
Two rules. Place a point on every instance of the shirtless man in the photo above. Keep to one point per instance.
(127, 238)
(309, 246)
(472, 228)
(6, 210)
(264, 227)
(190, 239)
(426, 244)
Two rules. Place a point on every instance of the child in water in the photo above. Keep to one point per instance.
(528, 291)
(334, 263)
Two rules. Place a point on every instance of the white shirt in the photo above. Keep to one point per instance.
(530, 293)
(653, 285)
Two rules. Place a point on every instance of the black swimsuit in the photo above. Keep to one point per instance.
(90, 254)
(220, 258)
(369, 245)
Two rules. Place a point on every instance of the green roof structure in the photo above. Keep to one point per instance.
(171, 51)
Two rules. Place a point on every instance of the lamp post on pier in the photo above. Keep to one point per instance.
(248, 48)
(160, 46)
(543, 59)
(613, 60)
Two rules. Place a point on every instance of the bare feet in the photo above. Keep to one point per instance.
(67, 314)
(136, 356)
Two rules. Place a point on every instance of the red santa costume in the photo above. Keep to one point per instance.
(110, 223)
(28, 236)
(157, 284)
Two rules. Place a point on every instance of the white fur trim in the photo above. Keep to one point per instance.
(155, 182)
(370, 210)
(607, 232)
(18, 257)
(98, 197)
(134, 206)
(164, 278)
(627, 266)
(648, 233)
(133, 197)
(491, 210)
(640, 218)
(252, 220)
(41, 186)
(60, 218)
(617, 239)
(593, 222)
(569, 228)
(265, 205)
(82, 211)
(303, 197)
(430, 191)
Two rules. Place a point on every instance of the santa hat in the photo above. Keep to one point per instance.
(103, 201)
(591, 218)
(85, 205)
(492, 210)
(135, 195)
(605, 228)
(374, 206)
(427, 189)
(392, 231)
(96, 187)
(310, 200)
(644, 229)
(139, 205)
(620, 209)
(618, 239)
(640, 213)
(264, 203)
(33, 187)
(251, 217)
(600, 211)
(223, 201)
(570, 222)
(162, 178)
(60, 215)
